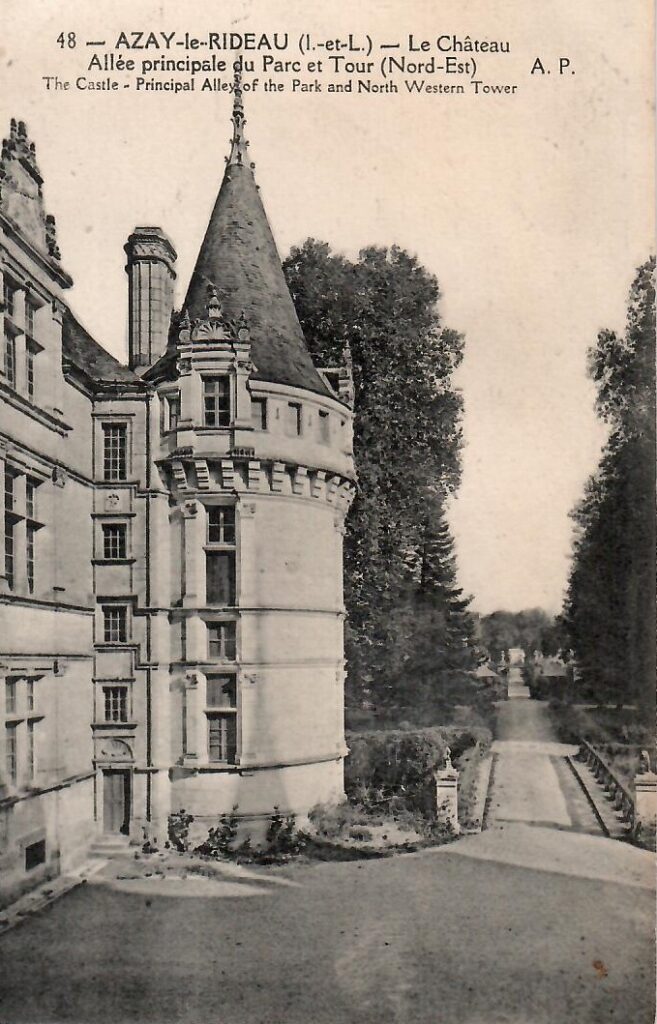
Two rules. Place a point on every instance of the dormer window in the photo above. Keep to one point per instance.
(216, 402)
(170, 411)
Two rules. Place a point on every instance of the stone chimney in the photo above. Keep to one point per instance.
(151, 276)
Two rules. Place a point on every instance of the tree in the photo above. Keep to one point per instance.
(609, 611)
(382, 307)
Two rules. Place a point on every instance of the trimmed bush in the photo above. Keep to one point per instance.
(393, 770)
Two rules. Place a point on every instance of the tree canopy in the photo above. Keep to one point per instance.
(610, 605)
(399, 574)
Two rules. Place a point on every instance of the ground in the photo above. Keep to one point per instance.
(533, 923)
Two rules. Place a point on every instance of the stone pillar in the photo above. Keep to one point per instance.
(151, 273)
(193, 555)
(645, 796)
(447, 787)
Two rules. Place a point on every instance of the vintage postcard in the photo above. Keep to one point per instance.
(327, 461)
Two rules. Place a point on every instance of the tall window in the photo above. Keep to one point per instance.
(220, 556)
(170, 412)
(221, 641)
(30, 498)
(216, 402)
(31, 698)
(115, 451)
(115, 624)
(8, 297)
(221, 713)
(30, 310)
(10, 697)
(259, 413)
(11, 752)
(324, 427)
(114, 541)
(31, 760)
(10, 525)
(293, 419)
(116, 703)
(30, 535)
(30, 356)
(10, 359)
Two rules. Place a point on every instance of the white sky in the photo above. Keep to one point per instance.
(532, 210)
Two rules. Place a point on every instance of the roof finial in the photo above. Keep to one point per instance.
(238, 155)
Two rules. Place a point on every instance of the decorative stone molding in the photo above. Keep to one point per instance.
(300, 480)
(247, 509)
(228, 474)
(111, 749)
(332, 488)
(189, 509)
(112, 501)
(59, 476)
(179, 475)
(278, 473)
(255, 476)
(317, 484)
(202, 474)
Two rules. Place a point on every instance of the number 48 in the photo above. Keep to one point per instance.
(66, 39)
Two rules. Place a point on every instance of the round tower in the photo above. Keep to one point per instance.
(255, 449)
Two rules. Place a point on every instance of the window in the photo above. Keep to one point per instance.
(220, 565)
(116, 703)
(220, 578)
(31, 701)
(216, 402)
(30, 498)
(115, 450)
(10, 753)
(115, 624)
(35, 854)
(10, 486)
(293, 419)
(30, 310)
(10, 696)
(9, 552)
(30, 356)
(222, 724)
(221, 641)
(31, 761)
(114, 541)
(10, 359)
(170, 412)
(259, 413)
(324, 427)
(221, 524)
(30, 534)
(8, 297)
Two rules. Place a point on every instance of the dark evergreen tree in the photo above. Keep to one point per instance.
(610, 606)
(407, 438)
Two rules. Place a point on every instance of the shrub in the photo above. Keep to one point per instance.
(283, 836)
(178, 830)
(393, 770)
(221, 840)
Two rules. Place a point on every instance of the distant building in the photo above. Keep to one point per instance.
(171, 605)
(516, 656)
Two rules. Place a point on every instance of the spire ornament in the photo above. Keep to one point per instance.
(238, 156)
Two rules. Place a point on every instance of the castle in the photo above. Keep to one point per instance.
(171, 606)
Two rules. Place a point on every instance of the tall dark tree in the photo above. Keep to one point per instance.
(382, 307)
(610, 607)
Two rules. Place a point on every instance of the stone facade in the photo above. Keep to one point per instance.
(171, 608)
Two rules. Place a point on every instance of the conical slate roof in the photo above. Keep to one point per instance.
(239, 257)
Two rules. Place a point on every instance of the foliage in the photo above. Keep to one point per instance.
(531, 629)
(609, 611)
(221, 840)
(178, 830)
(394, 770)
(283, 836)
(405, 632)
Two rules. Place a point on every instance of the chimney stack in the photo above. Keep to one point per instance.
(151, 276)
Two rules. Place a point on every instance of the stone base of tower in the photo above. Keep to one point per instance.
(256, 793)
